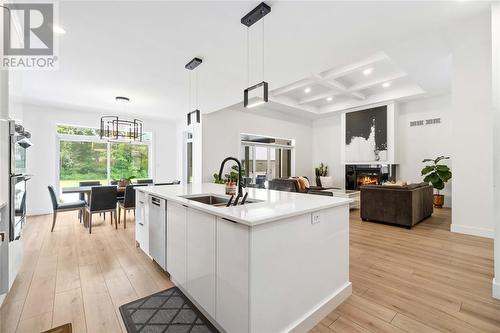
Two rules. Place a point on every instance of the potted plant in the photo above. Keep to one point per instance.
(321, 171)
(232, 176)
(437, 174)
(124, 181)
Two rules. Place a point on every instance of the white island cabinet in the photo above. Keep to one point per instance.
(176, 242)
(141, 221)
(277, 264)
(201, 258)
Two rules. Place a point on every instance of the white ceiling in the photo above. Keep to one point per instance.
(139, 49)
(367, 81)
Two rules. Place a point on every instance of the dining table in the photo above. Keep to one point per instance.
(87, 189)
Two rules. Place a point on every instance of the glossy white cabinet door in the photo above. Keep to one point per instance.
(201, 258)
(232, 276)
(176, 242)
(141, 222)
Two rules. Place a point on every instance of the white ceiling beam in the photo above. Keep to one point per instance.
(332, 84)
(317, 97)
(290, 87)
(364, 85)
(284, 100)
(359, 65)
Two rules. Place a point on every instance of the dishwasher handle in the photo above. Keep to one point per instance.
(156, 201)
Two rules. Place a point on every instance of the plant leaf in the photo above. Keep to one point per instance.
(427, 169)
(427, 160)
(442, 167)
(439, 185)
(440, 158)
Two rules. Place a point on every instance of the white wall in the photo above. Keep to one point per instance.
(327, 145)
(495, 29)
(419, 142)
(42, 121)
(222, 129)
(472, 135)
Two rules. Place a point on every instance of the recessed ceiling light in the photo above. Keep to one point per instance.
(307, 90)
(58, 30)
(367, 71)
(329, 99)
(386, 84)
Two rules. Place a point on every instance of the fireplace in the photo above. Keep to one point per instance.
(358, 175)
(368, 180)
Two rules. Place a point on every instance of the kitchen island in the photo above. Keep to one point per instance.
(278, 263)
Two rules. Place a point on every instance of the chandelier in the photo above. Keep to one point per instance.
(114, 128)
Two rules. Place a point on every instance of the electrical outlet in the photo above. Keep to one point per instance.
(315, 218)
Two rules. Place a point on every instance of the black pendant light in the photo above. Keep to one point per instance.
(256, 94)
(193, 116)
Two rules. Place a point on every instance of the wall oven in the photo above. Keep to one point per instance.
(19, 142)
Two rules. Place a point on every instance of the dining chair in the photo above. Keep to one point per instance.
(102, 200)
(128, 203)
(63, 206)
(144, 181)
(88, 183)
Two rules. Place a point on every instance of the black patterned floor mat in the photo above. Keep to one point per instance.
(168, 311)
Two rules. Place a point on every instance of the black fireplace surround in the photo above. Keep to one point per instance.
(382, 172)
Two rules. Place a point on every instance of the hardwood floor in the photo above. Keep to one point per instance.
(421, 280)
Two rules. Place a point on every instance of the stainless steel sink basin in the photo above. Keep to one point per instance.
(214, 200)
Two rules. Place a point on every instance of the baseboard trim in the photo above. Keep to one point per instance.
(311, 319)
(474, 231)
(496, 289)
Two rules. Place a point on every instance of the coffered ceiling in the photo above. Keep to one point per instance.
(366, 81)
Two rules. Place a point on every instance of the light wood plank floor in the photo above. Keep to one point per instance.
(421, 280)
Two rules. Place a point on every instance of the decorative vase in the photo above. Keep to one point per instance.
(438, 200)
(123, 183)
(231, 188)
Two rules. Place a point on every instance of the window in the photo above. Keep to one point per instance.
(265, 158)
(82, 161)
(83, 156)
(129, 160)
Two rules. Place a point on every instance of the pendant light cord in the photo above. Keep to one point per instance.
(263, 49)
(248, 57)
(196, 88)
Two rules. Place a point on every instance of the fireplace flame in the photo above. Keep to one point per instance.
(367, 180)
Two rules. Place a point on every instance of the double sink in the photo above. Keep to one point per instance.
(215, 200)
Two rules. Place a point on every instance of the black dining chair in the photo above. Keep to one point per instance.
(128, 203)
(102, 200)
(144, 181)
(88, 183)
(63, 206)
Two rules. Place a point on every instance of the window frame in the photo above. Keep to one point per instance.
(96, 139)
(269, 171)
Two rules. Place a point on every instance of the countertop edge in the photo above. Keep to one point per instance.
(216, 212)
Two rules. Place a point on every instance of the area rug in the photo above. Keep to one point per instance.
(168, 311)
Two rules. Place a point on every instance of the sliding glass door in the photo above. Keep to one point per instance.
(262, 163)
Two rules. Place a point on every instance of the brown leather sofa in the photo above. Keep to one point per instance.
(402, 205)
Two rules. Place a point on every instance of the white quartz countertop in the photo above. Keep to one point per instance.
(275, 205)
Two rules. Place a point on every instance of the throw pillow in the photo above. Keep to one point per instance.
(326, 181)
(306, 182)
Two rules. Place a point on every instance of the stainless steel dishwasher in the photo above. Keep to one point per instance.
(158, 230)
